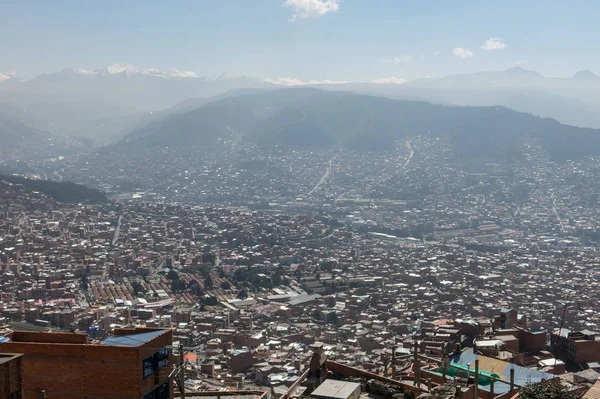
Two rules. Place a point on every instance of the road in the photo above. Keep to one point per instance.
(409, 155)
(117, 231)
(562, 226)
(324, 177)
(60, 178)
(404, 165)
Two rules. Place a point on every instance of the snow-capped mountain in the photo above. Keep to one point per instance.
(130, 70)
(6, 75)
(148, 89)
(123, 70)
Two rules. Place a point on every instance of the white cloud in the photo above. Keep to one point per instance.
(288, 81)
(462, 53)
(436, 53)
(493, 43)
(312, 8)
(403, 59)
(390, 80)
(521, 63)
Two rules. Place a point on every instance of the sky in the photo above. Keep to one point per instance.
(302, 40)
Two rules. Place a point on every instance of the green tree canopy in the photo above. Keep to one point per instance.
(172, 275)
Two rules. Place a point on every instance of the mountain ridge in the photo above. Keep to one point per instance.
(316, 118)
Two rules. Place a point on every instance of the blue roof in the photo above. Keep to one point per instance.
(523, 375)
(132, 339)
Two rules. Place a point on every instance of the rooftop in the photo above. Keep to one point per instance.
(335, 389)
(132, 339)
(7, 357)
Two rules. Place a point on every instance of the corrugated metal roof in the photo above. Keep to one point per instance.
(132, 339)
(300, 299)
(594, 392)
(523, 375)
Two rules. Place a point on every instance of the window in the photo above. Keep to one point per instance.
(15, 395)
(157, 361)
(162, 358)
(160, 392)
(148, 366)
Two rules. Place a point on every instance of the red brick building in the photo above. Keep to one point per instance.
(240, 361)
(132, 364)
(10, 376)
(575, 347)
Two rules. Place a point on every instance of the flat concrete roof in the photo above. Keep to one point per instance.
(335, 389)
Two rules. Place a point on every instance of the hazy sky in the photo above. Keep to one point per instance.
(350, 40)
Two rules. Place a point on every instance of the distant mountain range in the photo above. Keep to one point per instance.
(108, 103)
(126, 85)
(574, 100)
(21, 143)
(309, 117)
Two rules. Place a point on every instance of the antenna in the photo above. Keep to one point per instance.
(562, 320)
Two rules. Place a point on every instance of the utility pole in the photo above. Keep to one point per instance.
(181, 373)
(394, 362)
(476, 385)
(562, 319)
(417, 364)
(178, 372)
(559, 338)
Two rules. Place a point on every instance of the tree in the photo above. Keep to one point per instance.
(172, 275)
(225, 285)
(208, 281)
(267, 283)
(178, 285)
(277, 276)
(546, 390)
(196, 290)
(243, 294)
(333, 318)
(205, 271)
(137, 287)
(84, 282)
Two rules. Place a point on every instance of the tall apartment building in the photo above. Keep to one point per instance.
(132, 364)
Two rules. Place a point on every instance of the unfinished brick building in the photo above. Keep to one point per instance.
(132, 364)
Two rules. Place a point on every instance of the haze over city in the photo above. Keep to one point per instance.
(299, 199)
